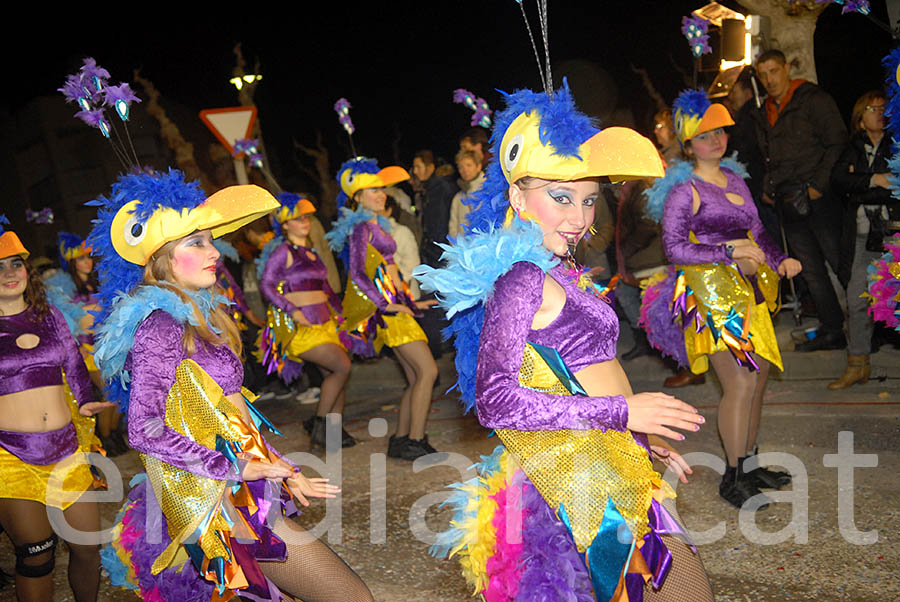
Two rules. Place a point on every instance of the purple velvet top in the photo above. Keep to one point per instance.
(157, 352)
(717, 221)
(304, 274)
(364, 234)
(24, 369)
(584, 333)
(227, 282)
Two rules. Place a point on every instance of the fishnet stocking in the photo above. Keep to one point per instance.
(312, 571)
(686, 581)
(738, 387)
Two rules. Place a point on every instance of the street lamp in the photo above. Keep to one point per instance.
(240, 80)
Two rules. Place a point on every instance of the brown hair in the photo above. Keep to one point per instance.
(84, 287)
(426, 156)
(467, 154)
(772, 54)
(159, 272)
(860, 107)
(35, 296)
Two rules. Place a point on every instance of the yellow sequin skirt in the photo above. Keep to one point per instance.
(401, 329)
(58, 485)
(726, 306)
(309, 337)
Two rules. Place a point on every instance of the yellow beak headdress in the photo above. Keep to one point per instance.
(145, 211)
(695, 115)
(361, 173)
(547, 137)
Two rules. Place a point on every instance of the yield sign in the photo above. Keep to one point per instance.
(230, 124)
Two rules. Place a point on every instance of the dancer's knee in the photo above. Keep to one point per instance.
(36, 559)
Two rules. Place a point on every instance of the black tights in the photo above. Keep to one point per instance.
(312, 572)
(26, 522)
(741, 405)
(335, 364)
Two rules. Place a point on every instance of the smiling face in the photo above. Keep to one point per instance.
(13, 278)
(564, 210)
(372, 199)
(194, 261)
(710, 145)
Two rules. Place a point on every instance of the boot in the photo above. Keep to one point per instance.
(684, 378)
(641, 346)
(347, 440)
(765, 478)
(858, 371)
(317, 433)
(396, 444)
(737, 487)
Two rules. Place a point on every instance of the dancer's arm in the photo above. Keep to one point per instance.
(73, 363)
(359, 244)
(157, 351)
(501, 401)
(774, 254)
(274, 273)
(676, 228)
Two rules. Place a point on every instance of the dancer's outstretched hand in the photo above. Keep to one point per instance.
(303, 488)
(664, 453)
(397, 308)
(95, 407)
(255, 470)
(654, 413)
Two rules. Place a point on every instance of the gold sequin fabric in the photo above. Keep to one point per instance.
(582, 469)
(195, 408)
(719, 288)
(34, 482)
(309, 337)
(401, 329)
(357, 306)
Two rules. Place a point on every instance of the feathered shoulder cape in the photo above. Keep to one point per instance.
(343, 227)
(61, 294)
(472, 266)
(680, 172)
(115, 335)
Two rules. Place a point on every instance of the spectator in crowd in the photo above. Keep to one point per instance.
(801, 135)
(477, 139)
(407, 254)
(665, 136)
(434, 198)
(861, 173)
(471, 178)
(405, 212)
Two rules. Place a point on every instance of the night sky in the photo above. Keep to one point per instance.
(398, 63)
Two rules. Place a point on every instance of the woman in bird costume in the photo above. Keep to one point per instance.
(569, 506)
(304, 313)
(73, 291)
(378, 307)
(724, 283)
(47, 402)
(205, 521)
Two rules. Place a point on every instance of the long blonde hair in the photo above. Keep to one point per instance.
(159, 272)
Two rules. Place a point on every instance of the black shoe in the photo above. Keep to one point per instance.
(766, 478)
(119, 439)
(737, 488)
(412, 449)
(317, 433)
(347, 440)
(395, 445)
(824, 340)
(310, 422)
(641, 347)
(111, 448)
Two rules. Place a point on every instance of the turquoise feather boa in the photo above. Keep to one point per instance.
(474, 262)
(342, 228)
(680, 172)
(264, 255)
(60, 293)
(115, 335)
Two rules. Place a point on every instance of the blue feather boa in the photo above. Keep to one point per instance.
(474, 262)
(264, 255)
(60, 293)
(343, 227)
(680, 172)
(226, 249)
(892, 113)
(115, 335)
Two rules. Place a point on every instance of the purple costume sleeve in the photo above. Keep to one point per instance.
(501, 401)
(676, 226)
(73, 362)
(333, 300)
(157, 351)
(774, 254)
(238, 293)
(359, 243)
(274, 273)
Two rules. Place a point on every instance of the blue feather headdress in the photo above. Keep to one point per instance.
(153, 191)
(562, 127)
(71, 246)
(351, 168)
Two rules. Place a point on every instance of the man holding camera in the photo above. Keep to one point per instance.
(801, 135)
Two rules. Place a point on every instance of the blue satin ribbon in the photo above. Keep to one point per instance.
(712, 326)
(260, 420)
(558, 367)
(607, 556)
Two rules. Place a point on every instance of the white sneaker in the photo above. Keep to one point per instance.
(310, 396)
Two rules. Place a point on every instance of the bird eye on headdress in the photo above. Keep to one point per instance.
(513, 152)
(133, 232)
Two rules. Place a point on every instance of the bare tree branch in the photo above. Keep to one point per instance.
(651, 89)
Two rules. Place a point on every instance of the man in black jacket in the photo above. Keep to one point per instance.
(434, 199)
(801, 135)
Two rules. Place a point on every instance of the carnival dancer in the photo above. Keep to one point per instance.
(46, 401)
(73, 291)
(205, 522)
(302, 320)
(541, 519)
(377, 304)
(724, 285)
